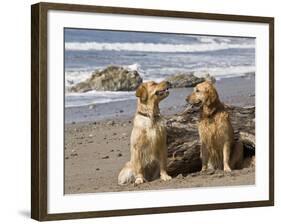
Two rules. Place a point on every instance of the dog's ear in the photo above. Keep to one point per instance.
(212, 95)
(142, 93)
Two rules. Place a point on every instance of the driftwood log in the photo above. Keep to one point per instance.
(183, 139)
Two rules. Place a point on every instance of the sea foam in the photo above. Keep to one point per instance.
(152, 47)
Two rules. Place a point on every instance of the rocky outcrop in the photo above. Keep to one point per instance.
(112, 78)
(183, 139)
(183, 80)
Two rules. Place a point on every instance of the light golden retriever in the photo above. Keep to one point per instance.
(148, 138)
(218, 148)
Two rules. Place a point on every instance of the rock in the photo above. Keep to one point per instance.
(110, 123)
(249, 75)
(209, 78)
(189, 79)
(112, 78)
(210, 172)
(182, 80)
(180, 176)
(119, 154)
(183, 140)
(105, 157)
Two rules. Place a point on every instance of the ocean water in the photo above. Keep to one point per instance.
(155, 56)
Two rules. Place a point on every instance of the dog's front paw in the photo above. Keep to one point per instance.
(139, 180)
(204, 169)
(227, 169)
(165, 177)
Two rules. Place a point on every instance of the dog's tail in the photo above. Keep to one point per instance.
(126, 175)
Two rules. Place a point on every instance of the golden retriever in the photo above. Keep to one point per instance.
(218, 148)
(148, 138)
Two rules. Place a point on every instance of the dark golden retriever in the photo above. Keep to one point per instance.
(218, 148)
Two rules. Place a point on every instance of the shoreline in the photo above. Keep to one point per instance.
(237, 91)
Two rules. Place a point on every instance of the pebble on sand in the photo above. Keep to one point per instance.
(111, 123)
(180, 176)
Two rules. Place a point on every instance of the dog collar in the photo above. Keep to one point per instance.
(147, 115)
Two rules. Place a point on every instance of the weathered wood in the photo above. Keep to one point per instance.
(183, 138)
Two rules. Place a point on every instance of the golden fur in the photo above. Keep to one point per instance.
(218, 148)
(148, 138)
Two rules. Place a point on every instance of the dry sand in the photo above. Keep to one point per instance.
(95, 153)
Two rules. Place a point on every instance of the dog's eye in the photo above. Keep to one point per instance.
(196, 90)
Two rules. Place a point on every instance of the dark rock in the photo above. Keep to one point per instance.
(105, 157)
(112, 78)
(182, 80)
(119, 154)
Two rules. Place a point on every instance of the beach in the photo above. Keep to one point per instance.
(97, 142)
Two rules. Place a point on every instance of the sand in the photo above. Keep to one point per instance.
(97, 144)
